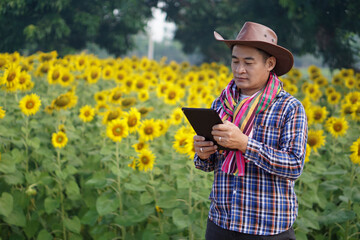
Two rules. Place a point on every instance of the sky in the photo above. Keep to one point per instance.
(159, 28)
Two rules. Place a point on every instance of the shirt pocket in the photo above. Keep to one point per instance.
(268, 132)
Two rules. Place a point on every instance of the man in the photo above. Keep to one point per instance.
(253, 191)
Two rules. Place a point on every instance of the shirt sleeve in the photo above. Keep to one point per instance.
(206, 165)
(286, 160)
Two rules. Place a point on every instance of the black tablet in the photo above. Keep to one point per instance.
(202, 120)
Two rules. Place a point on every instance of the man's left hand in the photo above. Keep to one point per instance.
(230, 136)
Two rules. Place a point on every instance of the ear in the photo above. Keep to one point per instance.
(270, 63)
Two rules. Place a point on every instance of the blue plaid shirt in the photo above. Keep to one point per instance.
(262, 202)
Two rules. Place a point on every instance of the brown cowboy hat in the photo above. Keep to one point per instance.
(261, 37)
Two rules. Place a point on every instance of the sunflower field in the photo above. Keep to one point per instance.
(99, 148)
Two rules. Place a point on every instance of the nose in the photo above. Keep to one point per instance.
(240, 68)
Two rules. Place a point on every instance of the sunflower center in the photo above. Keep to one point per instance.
(113, 115)
(94, 75)
(116, 96)
(62, 101)
(177, 116)
(182, 142)
(145, 160)
(59, 139)
(117, 130)
(30, 104)
(65, 78)
(140, 146)
(338, 127)
(318, 115)
(44, 69)
(11, 77)
(22, 80)
(120, 76)
(163, 88)
(87, 114)
(359, 150)
(172, 95)
(140, 85)
(132, 122)
(149, 130)
(312, 141)
(55, 75)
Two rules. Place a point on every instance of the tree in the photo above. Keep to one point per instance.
(67, 25)
(329, 29)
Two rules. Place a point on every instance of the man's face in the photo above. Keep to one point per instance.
(250, 70)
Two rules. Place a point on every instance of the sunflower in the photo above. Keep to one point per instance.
(111, 115)
(321, 81)
(313, 91)
(163, 126)
(117, 130)
(133, 119)
(334, 98)
(115, 95)
(173, 95)
(353, 97)
(140, 146)
(314, 72)
(308, 151)
(43, 69)
(337, 80)
(350, 82)
(87, 113)
(148, 130)
(65, 101)
(145, 110)
(108, 72)
(191, 78)
(24, 81)
(356, 112)
(177, 116)
(337, 126)
(61, 128)
(2, 113)
(54, 74)
(128, 102)
(143, 95)
(141, 84)
(93, 74)
(59, 139)
(346, 109)
(320, 113)
(66, 77)
(30, 104)
(345, 73)
(81, 62)
(355, 149)
(120, 76)
(181, 142)
(101, 108)
(316, 139)
(100, 96)
(161, 89)
(146, 160)
(11, 78)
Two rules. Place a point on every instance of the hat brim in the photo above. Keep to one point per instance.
(284, 58)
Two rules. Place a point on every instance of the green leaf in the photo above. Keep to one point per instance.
(72, 190)
(105, 205)
(337, 216)
(182, 182)
(14, 178)
(7, 165)
(31, 228)
(73, 224)
(146, 198)
(34, 143)
(97, 182)
(168, 200)
(44, 235)
(51, 205)
(135, 187)
(90, 217)
(6, 204)
(17, 218)
(179, 219)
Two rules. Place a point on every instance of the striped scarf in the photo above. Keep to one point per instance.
(242, 114)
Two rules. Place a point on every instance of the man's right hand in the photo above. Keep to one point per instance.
(203, 148)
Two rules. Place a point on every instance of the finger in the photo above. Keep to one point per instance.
(199, 138)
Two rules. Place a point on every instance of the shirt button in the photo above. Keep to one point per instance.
(234, 192)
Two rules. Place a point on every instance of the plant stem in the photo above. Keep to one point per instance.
(155, 199)
(190, 202)
(61, 196)
(118, 183)
(26, 144)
